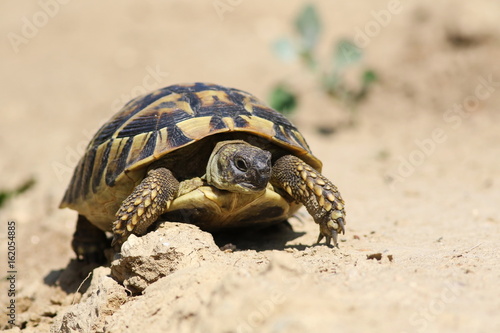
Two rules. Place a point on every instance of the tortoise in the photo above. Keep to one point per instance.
(200, 153)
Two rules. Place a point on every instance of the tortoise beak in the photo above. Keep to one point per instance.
(258, 174)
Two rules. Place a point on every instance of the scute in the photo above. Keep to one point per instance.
(150, 126)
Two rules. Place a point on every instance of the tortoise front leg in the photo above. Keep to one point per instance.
(145, 204)
(309, 187)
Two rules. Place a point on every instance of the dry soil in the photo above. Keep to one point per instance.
(419, 169)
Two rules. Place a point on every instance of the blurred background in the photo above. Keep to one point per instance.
(398, 98)
(69, 65)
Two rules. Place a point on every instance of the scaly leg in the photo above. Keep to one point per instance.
(309, 187)
(89, 242)
(145, 204)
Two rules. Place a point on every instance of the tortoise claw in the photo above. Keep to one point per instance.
(328, 239)
(330, 232)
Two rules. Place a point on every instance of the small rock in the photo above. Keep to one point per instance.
(102, 298)
(377, 256)
(173, 246)
(230, 247)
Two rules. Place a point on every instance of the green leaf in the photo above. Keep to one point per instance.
(9, 194)
(283, 99)
(3, 197)
(369, 76)
(308, 26)
(285, 49)
(309, 61)
(346, 53)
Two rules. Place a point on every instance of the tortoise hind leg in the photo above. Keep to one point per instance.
(318, 194)
(89, 242)
(145, 204)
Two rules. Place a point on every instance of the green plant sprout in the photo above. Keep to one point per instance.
(332, 81)
(283, 99)
(9, 194)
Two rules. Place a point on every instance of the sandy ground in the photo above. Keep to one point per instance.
(419, 172)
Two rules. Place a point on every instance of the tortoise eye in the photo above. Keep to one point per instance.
(241, 164)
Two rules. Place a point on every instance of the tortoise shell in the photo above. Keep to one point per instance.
(161, 126)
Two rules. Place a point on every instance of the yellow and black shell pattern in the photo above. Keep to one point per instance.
(151, 126)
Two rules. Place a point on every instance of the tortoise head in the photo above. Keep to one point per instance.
(237, 166)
